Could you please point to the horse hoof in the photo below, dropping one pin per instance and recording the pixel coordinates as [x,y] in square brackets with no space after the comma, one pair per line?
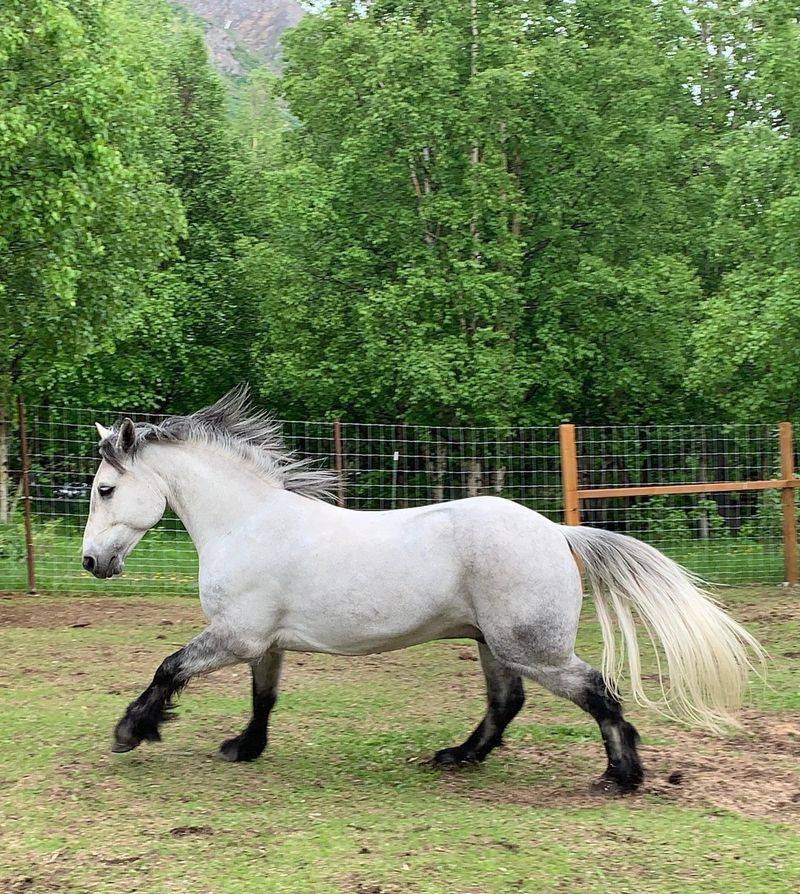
[228,751]
[239,750]
[453,759]
[612,788]
[125,737]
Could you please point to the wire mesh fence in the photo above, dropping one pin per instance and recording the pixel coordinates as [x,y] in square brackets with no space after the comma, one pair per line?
[62,445]
[732,537]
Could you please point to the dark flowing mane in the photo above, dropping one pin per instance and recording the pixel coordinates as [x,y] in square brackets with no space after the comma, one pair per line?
[232,424]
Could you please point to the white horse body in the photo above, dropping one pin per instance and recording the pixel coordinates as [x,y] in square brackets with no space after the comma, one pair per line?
[303,575]
[282,572]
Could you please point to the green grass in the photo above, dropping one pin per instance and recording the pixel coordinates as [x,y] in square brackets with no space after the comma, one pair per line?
[343,801]
[164,562]
[730,560]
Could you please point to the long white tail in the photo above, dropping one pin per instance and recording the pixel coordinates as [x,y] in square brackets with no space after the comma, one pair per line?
[707,653]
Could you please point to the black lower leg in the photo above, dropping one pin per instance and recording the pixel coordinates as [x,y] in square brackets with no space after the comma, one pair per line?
[620,738]
[249,744]
[505,698]
[143,717]
[209,650]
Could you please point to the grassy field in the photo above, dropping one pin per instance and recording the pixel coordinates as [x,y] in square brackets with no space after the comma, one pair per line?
[344,800]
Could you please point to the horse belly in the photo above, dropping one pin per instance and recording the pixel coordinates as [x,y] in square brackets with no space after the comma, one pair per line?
[367,642]
[368,610]
[363,583]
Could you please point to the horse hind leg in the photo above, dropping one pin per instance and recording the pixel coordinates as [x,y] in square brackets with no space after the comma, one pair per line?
[505,697]
[620,738]
[582,684]
[250,743]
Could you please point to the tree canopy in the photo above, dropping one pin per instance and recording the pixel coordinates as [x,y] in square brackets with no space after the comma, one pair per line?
[85,215]
[443,211]
[514,211]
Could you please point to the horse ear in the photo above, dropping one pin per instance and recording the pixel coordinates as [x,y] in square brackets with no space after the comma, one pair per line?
[126,436]
[102,431]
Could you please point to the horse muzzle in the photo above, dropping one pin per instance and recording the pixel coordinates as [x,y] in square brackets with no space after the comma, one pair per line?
[102,568]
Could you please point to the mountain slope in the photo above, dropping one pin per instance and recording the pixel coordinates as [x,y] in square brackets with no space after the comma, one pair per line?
[252,26]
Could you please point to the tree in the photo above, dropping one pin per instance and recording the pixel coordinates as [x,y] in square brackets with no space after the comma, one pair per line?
[191,340]
[482,208]
[747,351]
[85,215]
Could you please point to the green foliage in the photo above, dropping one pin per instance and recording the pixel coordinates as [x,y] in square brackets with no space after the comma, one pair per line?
[12,541]
[443,212]
[747,349]
[766,522]
[189,339]
[85,215]
[493,213]
[658,520]
[482,213]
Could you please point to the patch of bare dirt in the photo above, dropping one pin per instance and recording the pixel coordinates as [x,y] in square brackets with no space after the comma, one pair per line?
[44,611]
[755,774]
[39,879]
[354,884]
[781,605]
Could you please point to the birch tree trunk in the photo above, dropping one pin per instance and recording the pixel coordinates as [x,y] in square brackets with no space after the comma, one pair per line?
[420,191]
[475,155]
[474,481]
[437,467]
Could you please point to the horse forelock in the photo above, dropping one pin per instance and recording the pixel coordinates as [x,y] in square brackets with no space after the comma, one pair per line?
[232,424]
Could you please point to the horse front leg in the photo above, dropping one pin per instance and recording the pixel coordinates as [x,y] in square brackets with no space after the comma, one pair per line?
[248,745]
[208,651]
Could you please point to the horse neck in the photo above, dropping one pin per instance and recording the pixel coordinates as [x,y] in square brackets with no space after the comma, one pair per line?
[211,491]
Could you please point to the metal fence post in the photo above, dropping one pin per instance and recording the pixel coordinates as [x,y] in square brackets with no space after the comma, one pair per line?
[785,442]
[337,459]
[5,514]
[395,460]
[26,494]
[569,473]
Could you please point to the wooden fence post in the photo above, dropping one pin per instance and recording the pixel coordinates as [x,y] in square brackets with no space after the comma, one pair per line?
[337,459]
[569,473]
[26,494]
[786,445]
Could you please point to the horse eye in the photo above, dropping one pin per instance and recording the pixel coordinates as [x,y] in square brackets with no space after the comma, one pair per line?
[105,490]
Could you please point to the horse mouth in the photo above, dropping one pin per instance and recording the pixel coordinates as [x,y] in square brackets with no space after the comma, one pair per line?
[112,569]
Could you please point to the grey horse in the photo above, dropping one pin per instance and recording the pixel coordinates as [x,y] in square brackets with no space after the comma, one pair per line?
[283,570]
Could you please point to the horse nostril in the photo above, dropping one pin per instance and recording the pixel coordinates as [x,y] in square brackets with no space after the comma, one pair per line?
[89,563]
